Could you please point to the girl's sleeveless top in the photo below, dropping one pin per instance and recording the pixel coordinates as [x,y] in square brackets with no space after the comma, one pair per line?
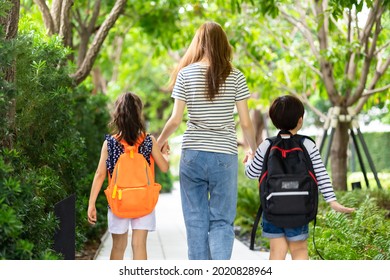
[115,149]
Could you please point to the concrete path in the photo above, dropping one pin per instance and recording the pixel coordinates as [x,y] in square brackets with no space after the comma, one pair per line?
[168,242]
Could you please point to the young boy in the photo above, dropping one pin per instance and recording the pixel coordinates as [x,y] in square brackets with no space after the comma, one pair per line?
[286,113]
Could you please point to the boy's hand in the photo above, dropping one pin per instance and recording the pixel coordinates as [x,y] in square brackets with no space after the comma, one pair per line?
[340,208]
[248,156]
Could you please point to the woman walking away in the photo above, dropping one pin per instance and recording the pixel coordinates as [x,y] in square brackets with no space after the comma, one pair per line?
[129,126]
[210,87]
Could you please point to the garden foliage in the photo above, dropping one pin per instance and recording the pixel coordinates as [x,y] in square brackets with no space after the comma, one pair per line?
[50,159]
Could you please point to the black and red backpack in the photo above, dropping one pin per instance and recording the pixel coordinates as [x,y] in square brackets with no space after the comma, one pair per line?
[287,186]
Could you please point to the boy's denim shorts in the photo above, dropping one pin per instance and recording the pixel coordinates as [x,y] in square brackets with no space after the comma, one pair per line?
[291,234]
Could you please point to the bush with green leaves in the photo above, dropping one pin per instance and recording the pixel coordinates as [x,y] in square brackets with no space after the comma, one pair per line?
[362,235]
[55,150]
[27,220]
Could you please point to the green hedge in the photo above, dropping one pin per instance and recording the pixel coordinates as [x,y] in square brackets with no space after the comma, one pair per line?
[377,144]
[58,136]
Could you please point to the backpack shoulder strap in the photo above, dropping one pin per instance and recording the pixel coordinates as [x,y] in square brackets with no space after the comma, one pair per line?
[271,141]
[260,210]
[303,137]
[300,139]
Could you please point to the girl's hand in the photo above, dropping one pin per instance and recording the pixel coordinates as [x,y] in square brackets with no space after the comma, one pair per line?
[92,215]
[165,149]
[340,208]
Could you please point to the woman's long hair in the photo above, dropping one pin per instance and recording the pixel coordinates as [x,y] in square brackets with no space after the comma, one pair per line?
[210,42]
[127,119]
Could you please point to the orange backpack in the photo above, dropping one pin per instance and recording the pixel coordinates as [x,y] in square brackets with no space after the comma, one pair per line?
[132,191]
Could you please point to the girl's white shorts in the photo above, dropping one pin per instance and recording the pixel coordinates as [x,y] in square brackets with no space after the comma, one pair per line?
[118,225]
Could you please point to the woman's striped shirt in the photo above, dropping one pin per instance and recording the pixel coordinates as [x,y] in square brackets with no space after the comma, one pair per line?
[210,125]
[253,168]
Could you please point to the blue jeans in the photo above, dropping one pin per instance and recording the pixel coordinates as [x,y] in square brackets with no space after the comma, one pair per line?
[208,186]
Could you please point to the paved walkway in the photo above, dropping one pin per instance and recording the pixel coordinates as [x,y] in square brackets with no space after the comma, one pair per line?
[168,242]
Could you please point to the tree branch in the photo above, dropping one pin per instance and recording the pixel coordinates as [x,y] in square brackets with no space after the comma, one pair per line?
[56,8]
[282,86]
[350,66]
[382,48]
[373,91]
[326,66]
[65,29]
[339,28]
[349,39]
[369,54]
[79,20]
[47,19]
[300,57]
[304,29]
[92,53]
[95,15]
[378,74]
[370,22]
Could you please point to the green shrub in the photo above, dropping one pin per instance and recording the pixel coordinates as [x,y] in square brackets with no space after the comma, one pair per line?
[27,221]
[59,132]
[165,179]
[375,141]
[363,235]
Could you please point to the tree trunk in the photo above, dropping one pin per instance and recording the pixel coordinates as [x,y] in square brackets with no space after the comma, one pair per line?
[10,26]
[339,156]
[258,124]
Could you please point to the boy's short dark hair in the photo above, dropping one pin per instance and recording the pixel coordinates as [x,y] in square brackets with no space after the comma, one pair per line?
[285,112]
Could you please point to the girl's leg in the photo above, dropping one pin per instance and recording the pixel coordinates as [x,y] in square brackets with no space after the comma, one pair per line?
[298,250]
[278,248]
[138,244]
[119,244]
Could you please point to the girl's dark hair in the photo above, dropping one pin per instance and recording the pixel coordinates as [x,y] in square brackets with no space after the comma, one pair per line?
[127,120]
[285,112]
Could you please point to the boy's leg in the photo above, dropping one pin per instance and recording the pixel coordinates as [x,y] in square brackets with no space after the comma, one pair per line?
[138,244]
[298,250]
[119,244]
[278,248]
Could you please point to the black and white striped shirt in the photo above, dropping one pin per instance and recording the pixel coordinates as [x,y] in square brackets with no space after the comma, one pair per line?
[253,168]
[210,125]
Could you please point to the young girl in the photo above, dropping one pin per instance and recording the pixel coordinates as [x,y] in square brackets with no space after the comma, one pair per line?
[286,113]
[128,125]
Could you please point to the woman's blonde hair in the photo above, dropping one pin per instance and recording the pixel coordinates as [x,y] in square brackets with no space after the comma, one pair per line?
[210,42]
